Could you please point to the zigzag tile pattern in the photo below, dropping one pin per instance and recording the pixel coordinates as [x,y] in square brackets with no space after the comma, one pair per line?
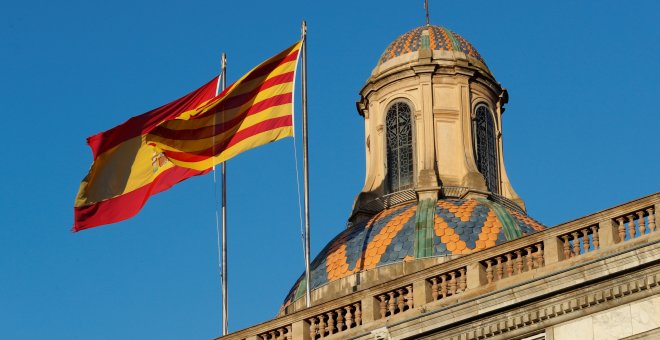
[440,38]
[460,226]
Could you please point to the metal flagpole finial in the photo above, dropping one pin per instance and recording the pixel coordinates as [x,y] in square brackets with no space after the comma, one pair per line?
[303,28]
[426,8]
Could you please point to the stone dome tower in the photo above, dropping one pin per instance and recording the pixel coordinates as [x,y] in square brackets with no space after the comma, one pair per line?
[436,187]
[433,122]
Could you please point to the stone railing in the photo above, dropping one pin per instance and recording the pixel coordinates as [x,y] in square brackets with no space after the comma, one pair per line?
[580,241]
[636,223]
[281,333]
[514,262]
[345,310]
[395,301]
[335,321]
[448,284]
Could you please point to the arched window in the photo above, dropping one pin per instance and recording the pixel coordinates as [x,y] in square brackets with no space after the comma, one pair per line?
[398,124]
[486,147]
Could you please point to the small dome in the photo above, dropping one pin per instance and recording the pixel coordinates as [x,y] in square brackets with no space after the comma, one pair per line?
[440,38]
[461,226]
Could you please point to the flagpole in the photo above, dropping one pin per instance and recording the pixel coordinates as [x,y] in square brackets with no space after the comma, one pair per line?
[308,296]
[223,171]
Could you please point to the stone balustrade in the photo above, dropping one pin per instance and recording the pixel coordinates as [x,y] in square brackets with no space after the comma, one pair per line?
[365,306]
[636,223]
[514,262]
[448,284]
[395,301]
[335,321]
[281,333]
[580,241]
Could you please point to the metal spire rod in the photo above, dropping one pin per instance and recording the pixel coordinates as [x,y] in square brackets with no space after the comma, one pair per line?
[426,8]
[308,296]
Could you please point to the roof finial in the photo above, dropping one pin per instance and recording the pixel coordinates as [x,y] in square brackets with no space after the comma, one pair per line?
[426,8]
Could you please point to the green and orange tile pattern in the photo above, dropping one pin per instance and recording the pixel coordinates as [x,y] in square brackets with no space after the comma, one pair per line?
[460,226]
[440,38]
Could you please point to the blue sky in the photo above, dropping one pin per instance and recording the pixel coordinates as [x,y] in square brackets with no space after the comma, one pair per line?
[580,135]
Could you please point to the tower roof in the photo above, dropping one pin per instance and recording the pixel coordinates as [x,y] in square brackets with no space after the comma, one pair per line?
[440,39]
[460,226]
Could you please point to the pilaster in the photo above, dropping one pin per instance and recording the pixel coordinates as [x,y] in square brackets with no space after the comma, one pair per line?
[299,330]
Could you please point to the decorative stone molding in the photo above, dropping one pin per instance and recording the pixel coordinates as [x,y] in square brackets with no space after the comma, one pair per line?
[539,314]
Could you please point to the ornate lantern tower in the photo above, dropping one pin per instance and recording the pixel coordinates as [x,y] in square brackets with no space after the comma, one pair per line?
[433,123]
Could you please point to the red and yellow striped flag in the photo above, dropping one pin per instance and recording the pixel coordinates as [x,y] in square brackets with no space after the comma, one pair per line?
[150,153]
[126,170]
[255,110]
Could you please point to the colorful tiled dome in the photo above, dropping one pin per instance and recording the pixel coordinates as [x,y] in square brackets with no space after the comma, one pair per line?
[460,226]
[440,38]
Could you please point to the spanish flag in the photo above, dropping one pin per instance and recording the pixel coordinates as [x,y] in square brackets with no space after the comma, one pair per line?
[255,110]
[126,170]
[150,153]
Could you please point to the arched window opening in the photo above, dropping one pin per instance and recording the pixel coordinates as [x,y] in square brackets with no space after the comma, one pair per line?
[398,123]
[486,147]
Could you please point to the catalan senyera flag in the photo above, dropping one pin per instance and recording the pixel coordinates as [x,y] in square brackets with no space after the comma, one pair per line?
[126,170]
[255,110]
[151,152]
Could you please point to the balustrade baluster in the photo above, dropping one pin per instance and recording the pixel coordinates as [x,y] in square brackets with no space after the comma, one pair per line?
[321,326]
[539,255]
[499,268]
[509,264]
[576,244]
[358,314]
[651,214]
[312,328]
[519,262]
[349,317]
[401,303]
[489,271]
[443,285]
[434,288]
[288,333]
[621,229]
[452,283]
[409,297]
[640,219]
[530,258]
[331,323]
[383,306]
[594,236]
[462,280]
[391,306]
[632,228]
[585,240]
[340,320]
[567,247]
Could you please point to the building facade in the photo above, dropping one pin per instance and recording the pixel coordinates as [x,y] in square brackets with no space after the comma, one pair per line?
[439,245]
